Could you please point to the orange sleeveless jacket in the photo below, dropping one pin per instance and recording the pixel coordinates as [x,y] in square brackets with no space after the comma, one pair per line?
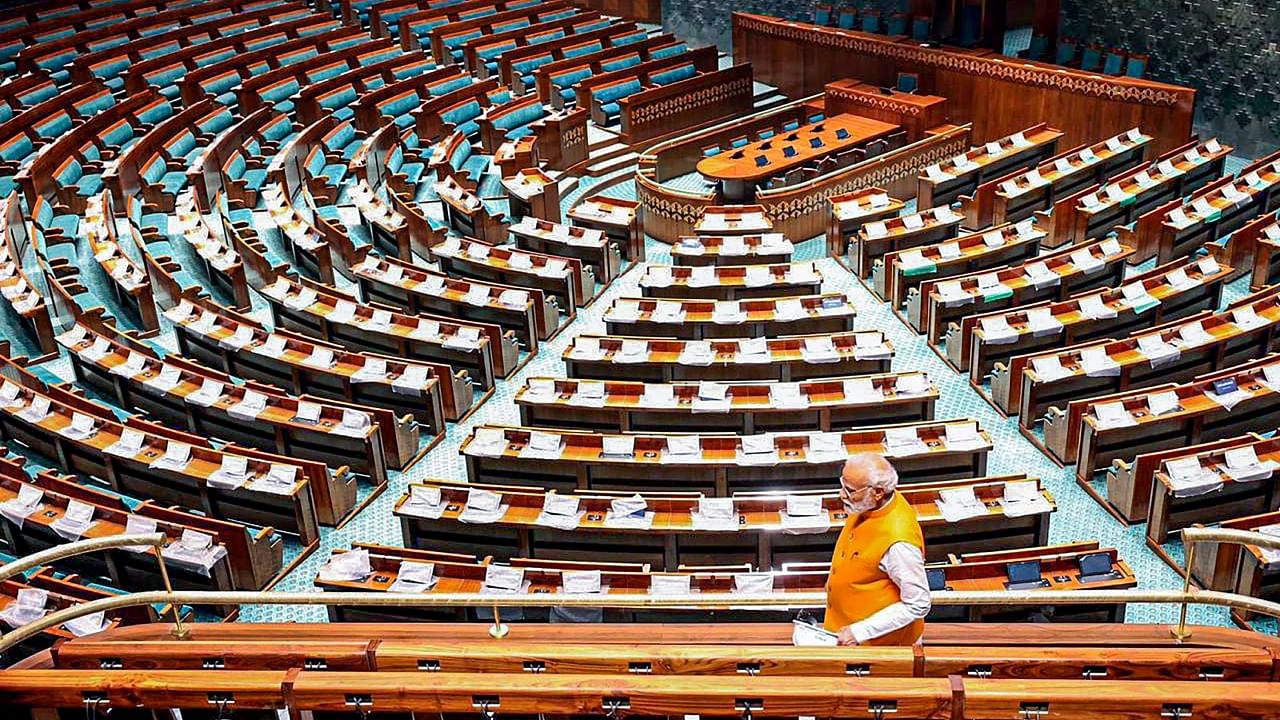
[858,588]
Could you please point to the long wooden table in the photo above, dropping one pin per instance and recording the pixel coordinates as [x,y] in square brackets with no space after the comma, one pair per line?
[738,168]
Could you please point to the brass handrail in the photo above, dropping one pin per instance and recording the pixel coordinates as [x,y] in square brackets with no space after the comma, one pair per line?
[79,547]
[708,601]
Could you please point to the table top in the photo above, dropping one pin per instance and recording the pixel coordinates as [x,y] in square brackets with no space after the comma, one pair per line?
[740,164]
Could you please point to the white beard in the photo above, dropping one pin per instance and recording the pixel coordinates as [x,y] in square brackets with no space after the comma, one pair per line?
[859,508]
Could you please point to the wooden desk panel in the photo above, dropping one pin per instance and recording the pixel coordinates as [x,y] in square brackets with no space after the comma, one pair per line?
[915,113]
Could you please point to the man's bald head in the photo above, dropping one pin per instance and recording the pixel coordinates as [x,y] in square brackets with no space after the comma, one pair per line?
[867,479]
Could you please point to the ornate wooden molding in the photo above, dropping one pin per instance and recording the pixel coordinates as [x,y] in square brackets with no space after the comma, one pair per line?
[1017,71]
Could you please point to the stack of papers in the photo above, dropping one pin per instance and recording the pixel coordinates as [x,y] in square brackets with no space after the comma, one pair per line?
[964,436]
[760,583]
[805,513]
[618,446]
[1048,368]
[715,514]
[758,276]
[629,512]
[543,446]
[1086,262]
[482,507]
[787,396]
[19,508]
[1179,279]
[682,448]
[1039,275]
[871,346]
[825,448]
[658,395]
[861,389]
[1097,363]
[819,350]
[1093,307]
[350,566]
[903,441]
[176,457]
[1189,478]
[1155,349]
[26,608]
[658,276]
[694,352]
[513,299]
[1162,403]
[129,444]
[757,450]
[952,293]
[75,521]
[424,501]
[916,383]
[936,174]
[632,351]
[231,474]
[728,312]
[414,577]
[589,393]
[279,480]
[789,309]
[1113,415]
[667,311]
[1042,322]
[1137,297]
[580,582]
[503,580]
[668,585]
[488,441]
[997,331]
[1246,318]
[956,504]
[1023,498]
[560,512]
[1243,465]
[754,350]
[587,348]
[703,276]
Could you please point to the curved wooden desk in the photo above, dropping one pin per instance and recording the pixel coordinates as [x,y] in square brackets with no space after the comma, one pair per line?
[740,165]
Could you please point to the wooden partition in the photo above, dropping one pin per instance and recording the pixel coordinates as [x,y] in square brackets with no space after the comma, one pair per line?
[665,109]
[997,95]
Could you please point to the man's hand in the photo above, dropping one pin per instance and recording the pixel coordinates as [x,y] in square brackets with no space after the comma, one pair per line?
[845,636]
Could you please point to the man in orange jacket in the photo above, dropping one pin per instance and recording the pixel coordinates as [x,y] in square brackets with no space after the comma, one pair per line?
[877,593]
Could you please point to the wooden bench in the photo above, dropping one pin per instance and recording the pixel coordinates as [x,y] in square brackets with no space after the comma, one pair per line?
[1181,288]
[713,466]
[944,182]
[822,404]
[934,306]
[784,359]
[1017,195]
[430,392]
[678,535]
[1094,211]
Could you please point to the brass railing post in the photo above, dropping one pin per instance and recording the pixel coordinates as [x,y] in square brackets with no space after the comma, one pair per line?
[498,630]
[179,632]
[1181,633]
